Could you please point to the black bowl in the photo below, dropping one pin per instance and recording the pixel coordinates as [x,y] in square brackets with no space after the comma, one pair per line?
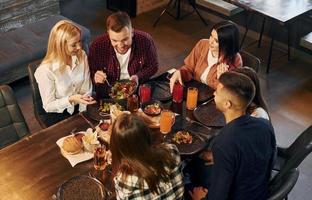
[145,104]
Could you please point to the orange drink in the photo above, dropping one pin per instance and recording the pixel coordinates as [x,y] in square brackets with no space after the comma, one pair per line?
[191,100]
[167,119]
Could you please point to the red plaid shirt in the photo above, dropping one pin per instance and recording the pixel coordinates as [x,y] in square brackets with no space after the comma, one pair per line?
[143,60]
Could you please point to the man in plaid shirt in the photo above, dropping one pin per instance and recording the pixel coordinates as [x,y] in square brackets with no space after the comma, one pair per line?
[121,53]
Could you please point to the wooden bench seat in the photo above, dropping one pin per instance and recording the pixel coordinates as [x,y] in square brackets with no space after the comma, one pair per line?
[306,41]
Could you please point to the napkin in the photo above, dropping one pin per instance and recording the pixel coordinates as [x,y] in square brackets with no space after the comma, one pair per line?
[74,159]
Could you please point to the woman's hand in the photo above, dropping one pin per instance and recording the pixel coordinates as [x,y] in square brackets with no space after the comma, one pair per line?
[99,77]
[83,99]
[221,68]
[198,193]
[175,77]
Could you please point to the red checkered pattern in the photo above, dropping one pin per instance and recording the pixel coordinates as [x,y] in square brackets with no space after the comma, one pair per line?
[143,60]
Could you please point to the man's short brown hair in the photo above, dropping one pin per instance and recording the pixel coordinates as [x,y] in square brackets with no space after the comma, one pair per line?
[118,21]
[239,85]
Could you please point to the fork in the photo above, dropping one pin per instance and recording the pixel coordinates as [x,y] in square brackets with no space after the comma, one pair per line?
[193,121]
[108,83]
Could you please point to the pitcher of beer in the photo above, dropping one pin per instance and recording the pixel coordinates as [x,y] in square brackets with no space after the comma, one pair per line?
[167,119]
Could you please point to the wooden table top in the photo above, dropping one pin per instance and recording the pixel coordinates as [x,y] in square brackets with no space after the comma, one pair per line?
[281,10]
[34,168]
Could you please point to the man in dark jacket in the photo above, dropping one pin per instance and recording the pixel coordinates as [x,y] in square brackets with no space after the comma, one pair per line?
[243,152]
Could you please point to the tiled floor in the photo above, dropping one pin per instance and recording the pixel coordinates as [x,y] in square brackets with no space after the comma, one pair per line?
[288,87]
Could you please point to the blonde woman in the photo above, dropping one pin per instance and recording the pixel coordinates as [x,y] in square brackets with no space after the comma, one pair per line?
[63,76]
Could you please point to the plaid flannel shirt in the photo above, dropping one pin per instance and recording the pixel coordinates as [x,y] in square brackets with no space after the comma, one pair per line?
[143,60]
[174,189]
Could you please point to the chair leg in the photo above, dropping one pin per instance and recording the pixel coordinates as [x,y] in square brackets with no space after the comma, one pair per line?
[261,33]
[196,10]
[158,18]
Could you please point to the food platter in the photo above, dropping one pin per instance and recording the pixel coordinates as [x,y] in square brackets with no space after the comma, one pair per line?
[197,144]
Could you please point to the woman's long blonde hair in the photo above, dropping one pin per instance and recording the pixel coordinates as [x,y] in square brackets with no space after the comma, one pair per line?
[59,35]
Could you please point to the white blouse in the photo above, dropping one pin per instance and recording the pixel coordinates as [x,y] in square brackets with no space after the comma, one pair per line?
[211,61]
[55,86]
[260,113]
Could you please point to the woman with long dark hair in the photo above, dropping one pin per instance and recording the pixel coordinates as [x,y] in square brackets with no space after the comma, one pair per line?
[258,107]
[211,57]
[141,169]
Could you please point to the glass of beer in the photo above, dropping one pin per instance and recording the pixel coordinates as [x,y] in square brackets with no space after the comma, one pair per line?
[191,100]
[167,119]
[100,158]
[177,93]
[145,93]
[133,103]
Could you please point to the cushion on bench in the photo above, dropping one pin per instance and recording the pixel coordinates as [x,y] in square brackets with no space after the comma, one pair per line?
[220,6]
[23,45]
[306,41]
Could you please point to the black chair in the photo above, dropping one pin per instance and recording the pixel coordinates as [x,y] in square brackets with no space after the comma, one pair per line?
[81,187]
[250,60]
[45,119]
[288,159]
[12,122]
[291,157]
[280,188]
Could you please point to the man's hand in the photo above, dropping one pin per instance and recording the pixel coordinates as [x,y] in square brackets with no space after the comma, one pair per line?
[135,78]
[198,193]
[99,77]
[221,68]
[84,99]
[175,77]
[207,156]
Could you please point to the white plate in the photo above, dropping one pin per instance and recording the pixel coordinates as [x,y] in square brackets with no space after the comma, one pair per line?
[74,159]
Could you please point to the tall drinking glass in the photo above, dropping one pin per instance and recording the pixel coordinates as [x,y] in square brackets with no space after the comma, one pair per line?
[191,100]
[167,119]
[133,103]
[145,93]
[100,158]
[177,93]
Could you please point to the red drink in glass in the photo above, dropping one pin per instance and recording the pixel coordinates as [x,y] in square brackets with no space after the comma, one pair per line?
[145,93]
[177,93]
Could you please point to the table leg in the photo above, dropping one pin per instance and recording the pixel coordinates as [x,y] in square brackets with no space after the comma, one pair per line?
[194,7]
[249,17]
[165,10]
[271,46]
[288,42]
[178,9]
[261,33]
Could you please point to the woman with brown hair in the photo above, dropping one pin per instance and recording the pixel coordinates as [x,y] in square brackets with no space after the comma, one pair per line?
[143,170]
[63,76]
[258,106]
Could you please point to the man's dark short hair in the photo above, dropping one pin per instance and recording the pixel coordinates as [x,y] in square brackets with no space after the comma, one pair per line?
[118,21]
[240,85]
